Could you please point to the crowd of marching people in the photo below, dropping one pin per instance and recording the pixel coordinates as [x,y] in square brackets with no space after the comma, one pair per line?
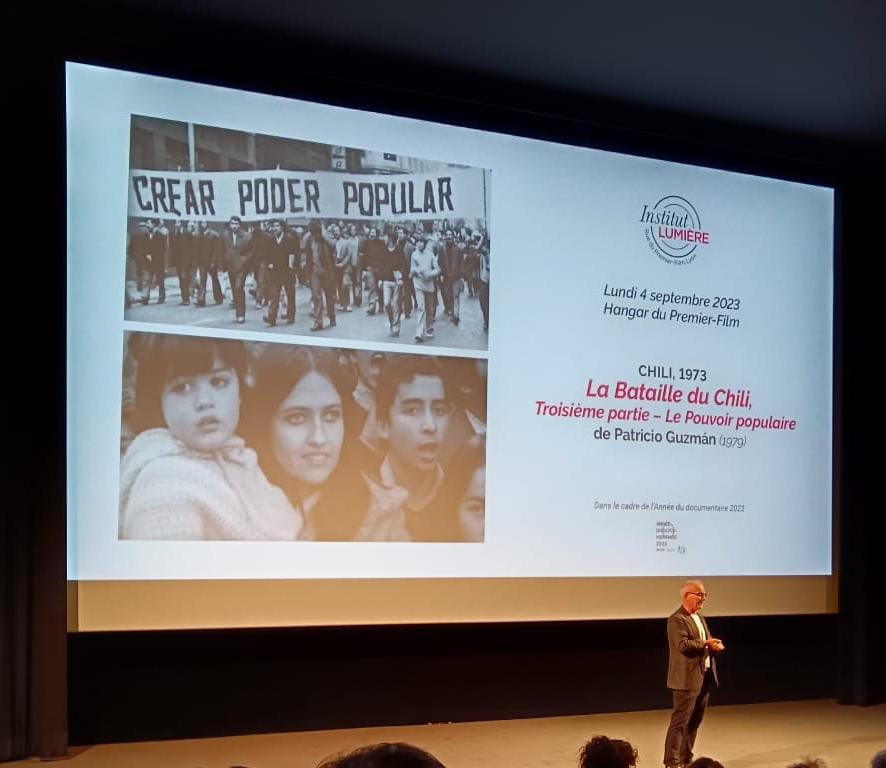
[397,270]
[230,440]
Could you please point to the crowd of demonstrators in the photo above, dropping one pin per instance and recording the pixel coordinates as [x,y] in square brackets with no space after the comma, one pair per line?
[224,439]
[397,269]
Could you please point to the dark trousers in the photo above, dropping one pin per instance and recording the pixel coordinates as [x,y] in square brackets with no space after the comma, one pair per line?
[484,302]
[370,290]
[322,287]
[238,289]
[209,271]
[153,273]
[689,709]
[393,296]
[358,286]
[160,280]
[341,296]
[408,295]
[263,285]
[471,279]
[425,311]
[446,290]
[184,282]
[275,283]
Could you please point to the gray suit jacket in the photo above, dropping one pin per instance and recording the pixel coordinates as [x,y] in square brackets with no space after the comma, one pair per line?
[686,652]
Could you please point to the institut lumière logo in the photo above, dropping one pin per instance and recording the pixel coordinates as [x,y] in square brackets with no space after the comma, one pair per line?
[673,230]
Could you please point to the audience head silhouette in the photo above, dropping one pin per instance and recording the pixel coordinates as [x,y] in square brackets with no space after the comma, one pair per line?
[603,752]
[394,755]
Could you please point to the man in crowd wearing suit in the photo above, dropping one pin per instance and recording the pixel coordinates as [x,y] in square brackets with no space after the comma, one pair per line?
[210,253]
[149,251]
[261,240]
[181,250]
[692,672]
[345,263]
[281,255]
[451,261]
[238,260]
[392,267]
[319,256]
[483,278]
[369,257]
[407,295]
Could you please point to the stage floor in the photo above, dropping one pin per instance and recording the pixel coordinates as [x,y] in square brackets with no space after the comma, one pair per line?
[751,736]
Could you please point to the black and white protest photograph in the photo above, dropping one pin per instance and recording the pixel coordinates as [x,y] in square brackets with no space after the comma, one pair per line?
[263,233]
[223,439]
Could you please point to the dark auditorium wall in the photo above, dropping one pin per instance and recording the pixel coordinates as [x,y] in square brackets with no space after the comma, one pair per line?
[152,685]
[159,685]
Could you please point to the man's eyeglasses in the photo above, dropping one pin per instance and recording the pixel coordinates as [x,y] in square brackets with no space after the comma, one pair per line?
[702,595]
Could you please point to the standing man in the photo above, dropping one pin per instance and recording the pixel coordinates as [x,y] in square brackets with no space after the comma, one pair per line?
[301,270]
[162,232]
[210,252]
[149,252]
[345,261]
[483,281]
[393,266]
[357,269]
[181,251]
[451,260]
[319,257]
[370,261]
[424,271]
[238,254]
[472,263]
[281,253]
[406,294]
[261,239]
[692,672]
[133,274]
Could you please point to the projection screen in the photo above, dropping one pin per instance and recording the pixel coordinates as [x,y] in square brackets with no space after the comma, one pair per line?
[328,366]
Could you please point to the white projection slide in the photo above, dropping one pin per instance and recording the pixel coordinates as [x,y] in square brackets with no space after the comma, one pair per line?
[308,342]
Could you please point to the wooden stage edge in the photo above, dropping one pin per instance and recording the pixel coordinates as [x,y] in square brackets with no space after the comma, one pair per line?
[769,735]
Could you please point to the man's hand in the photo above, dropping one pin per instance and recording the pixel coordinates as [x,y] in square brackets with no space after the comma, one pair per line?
[715,644]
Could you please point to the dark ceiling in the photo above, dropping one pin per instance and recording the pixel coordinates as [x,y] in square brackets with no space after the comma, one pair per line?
[815,68]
